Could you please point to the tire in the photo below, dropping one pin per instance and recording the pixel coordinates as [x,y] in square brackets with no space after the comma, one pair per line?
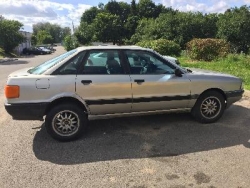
[209,107]
[66,122]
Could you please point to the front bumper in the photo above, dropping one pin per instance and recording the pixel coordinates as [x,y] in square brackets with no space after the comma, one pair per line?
[234,96]
[26,111]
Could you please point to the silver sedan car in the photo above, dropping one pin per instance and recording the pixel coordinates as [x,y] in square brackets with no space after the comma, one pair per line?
[108,81]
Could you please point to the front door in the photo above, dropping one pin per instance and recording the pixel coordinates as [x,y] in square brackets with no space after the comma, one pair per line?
[103,84]
[154,84]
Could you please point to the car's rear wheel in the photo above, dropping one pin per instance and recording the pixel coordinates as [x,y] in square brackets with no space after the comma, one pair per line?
[66,122]
[209,107]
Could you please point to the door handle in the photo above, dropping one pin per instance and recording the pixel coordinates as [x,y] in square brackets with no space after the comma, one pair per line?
[139,80]
[86,82]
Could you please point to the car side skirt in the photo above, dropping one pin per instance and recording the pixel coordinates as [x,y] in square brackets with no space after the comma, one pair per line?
[107,116]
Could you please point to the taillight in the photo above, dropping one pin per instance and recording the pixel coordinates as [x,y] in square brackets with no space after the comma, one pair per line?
[12,91]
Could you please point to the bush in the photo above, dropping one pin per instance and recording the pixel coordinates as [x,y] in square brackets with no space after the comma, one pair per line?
[207,49]
[162,46]
[70,43]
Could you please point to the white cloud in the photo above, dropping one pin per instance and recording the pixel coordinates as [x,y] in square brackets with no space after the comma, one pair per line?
[192,5]
[30,12]
[77,13]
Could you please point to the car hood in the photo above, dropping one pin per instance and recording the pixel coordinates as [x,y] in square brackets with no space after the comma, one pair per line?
[21,72]
[196,71]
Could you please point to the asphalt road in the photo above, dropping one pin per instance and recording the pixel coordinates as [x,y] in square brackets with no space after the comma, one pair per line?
[170,150]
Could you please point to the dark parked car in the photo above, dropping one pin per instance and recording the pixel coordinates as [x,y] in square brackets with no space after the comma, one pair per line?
[34,50]
[48,47]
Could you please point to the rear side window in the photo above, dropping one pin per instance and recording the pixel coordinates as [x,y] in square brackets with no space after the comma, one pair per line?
[102,62]
[48,64]
[71,66]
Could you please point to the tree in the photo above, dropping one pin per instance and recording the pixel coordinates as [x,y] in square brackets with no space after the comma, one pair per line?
[33,40]
[10,36]
[148,9]
[108,28]
[131,25]
[180,27]
[43,37]
[234,26]
[84,33]
[89,15]
[133,8]
[113,7]
[70,42]
[66,31]
[56,31]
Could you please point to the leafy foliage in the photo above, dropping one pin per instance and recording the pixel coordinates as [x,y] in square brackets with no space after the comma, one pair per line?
[89,15]
[107,27]
[43,37]
[84,33]
[177,26]
[10,36]
[207,49]
[54,30]
[234,26]
[70,42]
[146,20]
[162,46]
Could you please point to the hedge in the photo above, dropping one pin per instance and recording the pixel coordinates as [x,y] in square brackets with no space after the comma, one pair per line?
[207,49]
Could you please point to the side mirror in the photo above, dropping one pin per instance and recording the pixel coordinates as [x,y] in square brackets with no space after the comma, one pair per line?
[178,72]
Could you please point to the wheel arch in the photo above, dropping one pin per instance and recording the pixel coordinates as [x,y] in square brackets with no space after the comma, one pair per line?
[61,100]
[215,89]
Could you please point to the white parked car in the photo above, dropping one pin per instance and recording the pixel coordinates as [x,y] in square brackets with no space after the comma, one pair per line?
[108,81]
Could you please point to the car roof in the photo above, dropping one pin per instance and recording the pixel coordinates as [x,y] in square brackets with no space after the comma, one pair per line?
[111,47]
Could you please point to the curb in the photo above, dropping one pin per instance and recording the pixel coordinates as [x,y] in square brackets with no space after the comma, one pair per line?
[4,60]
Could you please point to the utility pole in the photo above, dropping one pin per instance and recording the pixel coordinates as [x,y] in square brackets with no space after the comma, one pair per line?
[73,26]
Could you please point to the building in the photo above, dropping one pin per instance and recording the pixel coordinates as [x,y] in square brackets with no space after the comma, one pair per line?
[25,44]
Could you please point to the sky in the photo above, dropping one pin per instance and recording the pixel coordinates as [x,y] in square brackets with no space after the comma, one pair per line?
[64,12]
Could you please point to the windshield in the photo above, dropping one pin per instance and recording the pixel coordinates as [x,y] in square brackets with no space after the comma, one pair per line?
[50,63]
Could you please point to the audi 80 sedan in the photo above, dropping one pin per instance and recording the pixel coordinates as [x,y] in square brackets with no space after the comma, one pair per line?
[108,81]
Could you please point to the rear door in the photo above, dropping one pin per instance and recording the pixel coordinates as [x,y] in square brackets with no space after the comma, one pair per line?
[103,84]
[154,84]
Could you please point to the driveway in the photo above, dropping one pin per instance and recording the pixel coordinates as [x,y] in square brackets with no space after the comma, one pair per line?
[170,150]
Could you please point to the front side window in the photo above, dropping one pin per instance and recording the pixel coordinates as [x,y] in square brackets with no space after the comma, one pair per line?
[103,62]
[143,62]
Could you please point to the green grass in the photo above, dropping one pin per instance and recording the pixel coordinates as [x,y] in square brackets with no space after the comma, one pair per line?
[237,65]
[1,53]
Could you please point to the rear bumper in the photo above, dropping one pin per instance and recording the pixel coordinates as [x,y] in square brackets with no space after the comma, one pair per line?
[234,96]
[26,111]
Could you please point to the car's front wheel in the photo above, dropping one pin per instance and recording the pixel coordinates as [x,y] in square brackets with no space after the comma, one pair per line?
[66,122]
[209,107]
